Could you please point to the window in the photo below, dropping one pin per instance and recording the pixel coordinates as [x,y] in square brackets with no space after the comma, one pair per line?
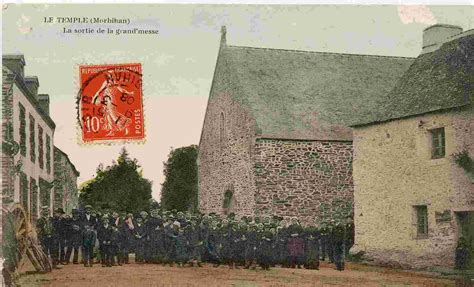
[44,190]
[230,203]
[437,143]
[24,191]
[48,154]
[32,139]
[421,220]
[40,147]
[227,199]
[22,130]
[33,198]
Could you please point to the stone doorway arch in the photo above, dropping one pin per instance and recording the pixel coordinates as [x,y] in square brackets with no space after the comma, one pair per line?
[229,204]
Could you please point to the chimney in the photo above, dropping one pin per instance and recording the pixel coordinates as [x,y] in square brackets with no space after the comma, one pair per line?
[16,63]
[32,84]
[43,100]
[434,36]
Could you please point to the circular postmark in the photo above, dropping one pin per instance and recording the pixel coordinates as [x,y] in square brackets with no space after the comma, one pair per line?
[109,102]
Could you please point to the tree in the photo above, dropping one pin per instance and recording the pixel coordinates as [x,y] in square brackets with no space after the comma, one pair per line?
[119,187]
[179,190]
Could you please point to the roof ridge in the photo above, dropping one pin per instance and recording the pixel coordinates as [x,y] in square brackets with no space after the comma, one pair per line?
[320,52]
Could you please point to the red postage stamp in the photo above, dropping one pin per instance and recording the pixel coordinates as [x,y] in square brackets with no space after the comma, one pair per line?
[110,102]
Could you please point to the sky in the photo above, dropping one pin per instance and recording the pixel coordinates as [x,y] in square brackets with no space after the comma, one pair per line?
[178,63]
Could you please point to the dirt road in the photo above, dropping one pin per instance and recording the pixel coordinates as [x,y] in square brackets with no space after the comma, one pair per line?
[158,275]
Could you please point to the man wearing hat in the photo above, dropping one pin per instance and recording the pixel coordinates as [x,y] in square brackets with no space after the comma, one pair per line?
[75,235]
[89,218]
[338,242]
[141,235]
[104,232]
[156,234]
[46,236]
[62,231]
[56,236]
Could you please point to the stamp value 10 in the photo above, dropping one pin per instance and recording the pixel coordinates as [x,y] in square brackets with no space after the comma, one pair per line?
[110,102]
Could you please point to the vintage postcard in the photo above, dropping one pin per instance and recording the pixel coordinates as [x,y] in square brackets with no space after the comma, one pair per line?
[237,145]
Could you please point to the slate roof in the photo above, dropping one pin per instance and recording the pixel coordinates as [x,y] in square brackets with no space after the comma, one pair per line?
[306,95]
[9,78]
[65,155]
[439,80]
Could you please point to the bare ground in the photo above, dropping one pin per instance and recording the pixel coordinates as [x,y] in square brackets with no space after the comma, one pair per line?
[158,275]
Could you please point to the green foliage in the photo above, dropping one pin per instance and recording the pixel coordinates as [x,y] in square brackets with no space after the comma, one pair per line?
[336,211]
[179,190]
[119,187]
[465,162]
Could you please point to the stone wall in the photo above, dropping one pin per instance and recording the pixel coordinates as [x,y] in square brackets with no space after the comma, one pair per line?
[393,172]
[65,191]
[224,162]
[294,177]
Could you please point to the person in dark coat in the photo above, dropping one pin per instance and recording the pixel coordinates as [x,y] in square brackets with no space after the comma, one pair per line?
[147,244]
[191,231]
[156,234]
[104,232]
[57,234]
[281,245]
[203,231]
[47,235]
[327,242]
[63,230]
[213,244]
[349,234]
[88,242]
[225,243]
[239,243]
[181,245]
[75,237]
[265,246]
[462,254]
[128,239]
[117,223]
[170,238]
[311,237]
[114,247]
[88,218]
[295,244]
[140,234]
[251,246]
[338,237]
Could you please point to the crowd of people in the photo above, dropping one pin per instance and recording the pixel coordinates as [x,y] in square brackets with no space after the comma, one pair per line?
[170,237]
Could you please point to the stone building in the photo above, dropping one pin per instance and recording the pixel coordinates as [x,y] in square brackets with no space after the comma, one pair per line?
[65,176]
[412,199]
[27,139]
[28,155]
[276,138]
